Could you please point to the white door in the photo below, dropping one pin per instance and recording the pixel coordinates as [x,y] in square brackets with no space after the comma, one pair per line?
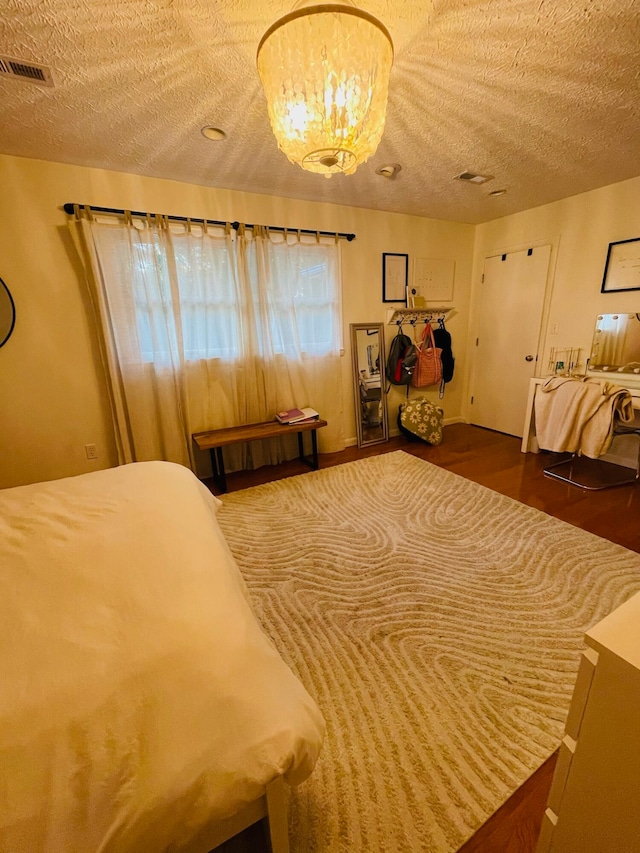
[509,319]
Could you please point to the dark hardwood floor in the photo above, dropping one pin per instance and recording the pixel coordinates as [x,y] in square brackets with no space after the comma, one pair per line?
[494,460]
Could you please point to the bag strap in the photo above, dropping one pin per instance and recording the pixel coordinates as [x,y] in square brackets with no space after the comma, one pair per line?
[428,333]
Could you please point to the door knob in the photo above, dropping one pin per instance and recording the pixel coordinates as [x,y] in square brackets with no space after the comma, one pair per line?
[528,358]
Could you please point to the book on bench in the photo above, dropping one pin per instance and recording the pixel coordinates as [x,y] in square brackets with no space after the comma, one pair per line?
[297,416]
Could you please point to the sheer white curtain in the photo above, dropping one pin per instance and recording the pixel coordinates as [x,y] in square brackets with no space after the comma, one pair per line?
[204,328]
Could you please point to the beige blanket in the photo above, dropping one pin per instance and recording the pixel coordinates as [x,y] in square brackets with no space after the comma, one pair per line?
[578,415]
[140,700]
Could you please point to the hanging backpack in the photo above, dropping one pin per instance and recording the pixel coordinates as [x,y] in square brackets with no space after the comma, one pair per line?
[443,342]
[401,360]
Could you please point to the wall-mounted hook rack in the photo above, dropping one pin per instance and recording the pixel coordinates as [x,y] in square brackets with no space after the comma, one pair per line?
[397,316]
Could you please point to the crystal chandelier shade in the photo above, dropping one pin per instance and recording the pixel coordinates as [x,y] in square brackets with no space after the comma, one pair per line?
[325,72]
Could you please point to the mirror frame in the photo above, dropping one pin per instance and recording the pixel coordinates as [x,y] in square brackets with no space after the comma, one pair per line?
[12,307]
[368,327]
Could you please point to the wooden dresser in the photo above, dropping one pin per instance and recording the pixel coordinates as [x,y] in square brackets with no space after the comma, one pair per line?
[594,802]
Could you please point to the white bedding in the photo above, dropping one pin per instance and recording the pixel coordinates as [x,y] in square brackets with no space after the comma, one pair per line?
[139,698]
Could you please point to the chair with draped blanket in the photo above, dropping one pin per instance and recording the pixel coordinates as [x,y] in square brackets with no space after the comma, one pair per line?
[582,416]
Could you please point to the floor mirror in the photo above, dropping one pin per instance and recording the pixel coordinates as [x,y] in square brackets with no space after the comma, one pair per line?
[367,351]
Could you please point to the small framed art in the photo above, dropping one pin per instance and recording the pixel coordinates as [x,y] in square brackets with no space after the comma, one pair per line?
[395,277]
[622,269]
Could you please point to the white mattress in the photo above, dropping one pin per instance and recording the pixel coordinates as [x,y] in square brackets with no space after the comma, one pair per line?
[140,700]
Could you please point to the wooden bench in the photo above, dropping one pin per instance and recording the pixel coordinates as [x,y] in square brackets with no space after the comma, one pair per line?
[214,440]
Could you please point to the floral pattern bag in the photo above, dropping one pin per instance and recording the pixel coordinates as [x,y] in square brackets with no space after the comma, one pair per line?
[422,419]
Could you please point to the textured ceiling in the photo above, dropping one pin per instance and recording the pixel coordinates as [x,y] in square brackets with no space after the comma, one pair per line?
[542,94]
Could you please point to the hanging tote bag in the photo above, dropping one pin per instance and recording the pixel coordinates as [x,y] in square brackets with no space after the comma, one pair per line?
[428,370]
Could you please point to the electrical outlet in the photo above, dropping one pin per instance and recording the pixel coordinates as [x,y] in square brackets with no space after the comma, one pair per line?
[91,450]
[554,329]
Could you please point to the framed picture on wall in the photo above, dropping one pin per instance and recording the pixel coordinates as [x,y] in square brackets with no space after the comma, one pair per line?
[395,277]
[433,279]
[622,269]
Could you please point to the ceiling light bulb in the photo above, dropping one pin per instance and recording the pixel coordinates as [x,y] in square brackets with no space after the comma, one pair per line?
[390,170]
[213,133]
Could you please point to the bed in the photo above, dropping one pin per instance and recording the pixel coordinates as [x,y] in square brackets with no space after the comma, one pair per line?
[142,706]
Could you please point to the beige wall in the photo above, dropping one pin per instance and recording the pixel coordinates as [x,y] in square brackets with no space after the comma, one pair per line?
[579,229]
[51,381]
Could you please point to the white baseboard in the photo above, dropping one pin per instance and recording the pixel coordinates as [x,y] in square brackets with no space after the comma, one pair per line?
[625,461]
[394,431]
[623,451]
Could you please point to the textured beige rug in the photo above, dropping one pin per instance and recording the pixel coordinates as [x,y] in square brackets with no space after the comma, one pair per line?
[437,623]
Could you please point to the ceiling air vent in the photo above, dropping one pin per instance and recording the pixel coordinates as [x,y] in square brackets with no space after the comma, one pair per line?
[473,178]
[20,70]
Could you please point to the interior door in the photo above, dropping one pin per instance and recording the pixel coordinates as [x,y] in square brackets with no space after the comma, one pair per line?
[509,319]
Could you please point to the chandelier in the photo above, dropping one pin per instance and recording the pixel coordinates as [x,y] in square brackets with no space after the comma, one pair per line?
[325,72]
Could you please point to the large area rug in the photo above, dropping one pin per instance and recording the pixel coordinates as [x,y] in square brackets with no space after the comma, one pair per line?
[437,623]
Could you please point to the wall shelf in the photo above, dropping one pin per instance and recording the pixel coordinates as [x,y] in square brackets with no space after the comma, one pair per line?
[400,316]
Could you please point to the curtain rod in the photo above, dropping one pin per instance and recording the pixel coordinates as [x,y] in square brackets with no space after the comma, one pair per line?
[69,207]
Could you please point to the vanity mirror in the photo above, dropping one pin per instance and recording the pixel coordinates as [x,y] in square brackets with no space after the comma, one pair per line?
[616,344]
[367,351]
[7,313]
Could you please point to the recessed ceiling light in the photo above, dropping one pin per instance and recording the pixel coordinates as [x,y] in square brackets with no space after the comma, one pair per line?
[213,133]
[473,178]
[495,193]
[389,170]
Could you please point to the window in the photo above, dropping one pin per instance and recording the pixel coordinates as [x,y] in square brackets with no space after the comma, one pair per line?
[283,301]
